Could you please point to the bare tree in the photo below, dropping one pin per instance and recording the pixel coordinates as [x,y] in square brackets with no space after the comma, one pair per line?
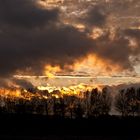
[138,101]
[121,103]
[95,103]
[86,102]
[105,102]
[132,101]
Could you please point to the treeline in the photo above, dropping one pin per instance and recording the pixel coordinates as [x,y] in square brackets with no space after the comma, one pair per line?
[91,104]
[128,102]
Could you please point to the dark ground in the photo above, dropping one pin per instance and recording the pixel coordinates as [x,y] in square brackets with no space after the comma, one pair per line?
[37,127]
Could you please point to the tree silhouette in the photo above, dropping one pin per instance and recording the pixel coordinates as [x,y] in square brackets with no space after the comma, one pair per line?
[86,102]
[62,107]
[95,103]
[105,101]
[131,99]
[78,110]
[71,106]
[100,102]
[40,109]
[20,106]
[121,103]
[138,101]
[10,105]
[45,104]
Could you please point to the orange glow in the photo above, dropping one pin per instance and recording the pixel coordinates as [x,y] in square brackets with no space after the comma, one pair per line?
[57,92]
[42,3]
[16,94]
[93,65]
[80,27]
[96,33]
[49,3]
[10,93]
[56,96]
[50,71]
[76,90]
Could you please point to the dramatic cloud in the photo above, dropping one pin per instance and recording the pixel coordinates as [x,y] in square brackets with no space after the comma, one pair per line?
[32,36]
[32,48]
[95,16]
[116,51]
[52,45]
[25,13]
[134,33]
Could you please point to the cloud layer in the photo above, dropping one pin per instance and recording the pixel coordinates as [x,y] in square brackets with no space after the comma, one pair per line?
[32,36]
[25,13]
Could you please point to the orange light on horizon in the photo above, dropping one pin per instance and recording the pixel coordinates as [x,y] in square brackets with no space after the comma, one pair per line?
[50,71]
[73,90]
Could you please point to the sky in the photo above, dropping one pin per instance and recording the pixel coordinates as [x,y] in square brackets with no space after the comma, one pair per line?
[81,38]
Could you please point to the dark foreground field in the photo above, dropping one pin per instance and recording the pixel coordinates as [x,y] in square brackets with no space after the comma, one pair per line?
[41,128]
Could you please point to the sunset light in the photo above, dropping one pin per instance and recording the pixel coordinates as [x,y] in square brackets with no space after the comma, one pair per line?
[68,65]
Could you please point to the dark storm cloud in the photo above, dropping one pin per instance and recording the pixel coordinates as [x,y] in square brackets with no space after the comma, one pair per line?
[95,16]
[25,13]
[117,15]
[114,13]
[122,50]
[135,33]
[34,48]
[116,51]
[22,48]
